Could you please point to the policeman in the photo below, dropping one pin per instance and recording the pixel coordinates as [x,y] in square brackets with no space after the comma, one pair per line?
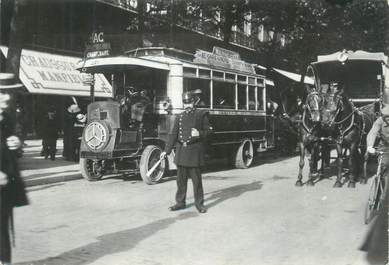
[188,134]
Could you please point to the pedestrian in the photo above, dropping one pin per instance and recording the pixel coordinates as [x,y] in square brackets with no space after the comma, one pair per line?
[188,135]
[69,142]
[50,133]
[376,242]
[78,127]
[12,189]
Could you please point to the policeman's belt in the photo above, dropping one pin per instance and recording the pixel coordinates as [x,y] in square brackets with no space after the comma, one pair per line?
[187,143]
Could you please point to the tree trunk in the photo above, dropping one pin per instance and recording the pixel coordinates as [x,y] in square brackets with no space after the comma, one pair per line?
[141,22]
[16,38]
[228,21]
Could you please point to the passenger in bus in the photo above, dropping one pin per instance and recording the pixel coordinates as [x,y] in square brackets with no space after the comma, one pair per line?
[199,102]
[188,135]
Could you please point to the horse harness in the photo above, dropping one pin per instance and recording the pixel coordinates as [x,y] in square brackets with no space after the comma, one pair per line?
[356,112]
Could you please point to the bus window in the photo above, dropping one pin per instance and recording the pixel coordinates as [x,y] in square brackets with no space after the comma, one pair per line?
[223,95]
[242,97]
[190,71]
[203,73]
[251,98]
[260,105]
[192,84]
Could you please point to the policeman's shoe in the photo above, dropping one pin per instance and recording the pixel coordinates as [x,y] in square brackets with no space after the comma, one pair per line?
[176,207]
[201,209]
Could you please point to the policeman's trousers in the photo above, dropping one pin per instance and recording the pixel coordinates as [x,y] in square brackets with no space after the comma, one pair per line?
[183,173]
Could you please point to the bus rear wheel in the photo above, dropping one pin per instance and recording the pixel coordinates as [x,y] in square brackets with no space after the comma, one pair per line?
[91,170]
[244,155]
[149,158]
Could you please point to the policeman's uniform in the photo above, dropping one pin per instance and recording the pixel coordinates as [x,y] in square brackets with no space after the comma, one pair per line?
[189,155]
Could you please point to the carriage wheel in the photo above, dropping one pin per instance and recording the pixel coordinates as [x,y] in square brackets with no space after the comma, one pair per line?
[91,170]
[244,155]
[373,201]
[149,158]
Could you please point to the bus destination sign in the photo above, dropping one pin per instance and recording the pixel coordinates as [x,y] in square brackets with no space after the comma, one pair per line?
[223,58]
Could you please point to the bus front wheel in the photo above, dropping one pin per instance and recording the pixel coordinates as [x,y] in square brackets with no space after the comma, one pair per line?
[244,155]
[91,170]
[150,172]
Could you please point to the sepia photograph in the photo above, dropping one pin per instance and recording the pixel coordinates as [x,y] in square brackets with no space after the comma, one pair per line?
[194,132]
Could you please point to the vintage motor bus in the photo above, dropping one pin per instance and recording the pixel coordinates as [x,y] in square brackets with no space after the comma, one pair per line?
[361,74]
[127,134]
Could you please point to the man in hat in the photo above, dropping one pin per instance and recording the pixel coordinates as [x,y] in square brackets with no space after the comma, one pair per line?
[188,134]
[12,192]
[50,133]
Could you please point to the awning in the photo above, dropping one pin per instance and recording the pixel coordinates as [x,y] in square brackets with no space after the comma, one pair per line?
[46,73]
[295,77]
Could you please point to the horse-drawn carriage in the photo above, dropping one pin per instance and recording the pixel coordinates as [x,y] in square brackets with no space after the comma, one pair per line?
[340,109]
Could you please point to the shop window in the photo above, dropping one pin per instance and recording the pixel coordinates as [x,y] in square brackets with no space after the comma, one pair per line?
[199,85]
[223,95]
[242,97]
[251,81]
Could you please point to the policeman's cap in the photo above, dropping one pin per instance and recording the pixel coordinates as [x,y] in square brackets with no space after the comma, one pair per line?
[188,97]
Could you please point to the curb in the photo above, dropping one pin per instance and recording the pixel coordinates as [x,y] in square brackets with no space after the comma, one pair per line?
[51,179]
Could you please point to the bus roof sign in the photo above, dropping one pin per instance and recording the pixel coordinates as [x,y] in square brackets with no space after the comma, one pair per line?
[222,58]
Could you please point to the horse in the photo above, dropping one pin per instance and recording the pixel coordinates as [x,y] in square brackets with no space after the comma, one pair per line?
[310,137]
[348,126]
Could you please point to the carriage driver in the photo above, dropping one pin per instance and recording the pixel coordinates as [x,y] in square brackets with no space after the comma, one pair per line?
[188,134]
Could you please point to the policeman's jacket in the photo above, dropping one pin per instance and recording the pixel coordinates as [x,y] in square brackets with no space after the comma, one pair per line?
[380,129]
[189,149]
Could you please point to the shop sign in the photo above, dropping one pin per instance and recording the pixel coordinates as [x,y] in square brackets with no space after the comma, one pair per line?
[97,47]
[46,73]
[223,58]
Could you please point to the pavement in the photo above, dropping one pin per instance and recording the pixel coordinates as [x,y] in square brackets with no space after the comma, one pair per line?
[36,170]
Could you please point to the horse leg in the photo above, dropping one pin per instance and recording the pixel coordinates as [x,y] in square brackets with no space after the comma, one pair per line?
[365,159]
[313,165]
[299,182]
[339,160]
[324,159]
[353,162]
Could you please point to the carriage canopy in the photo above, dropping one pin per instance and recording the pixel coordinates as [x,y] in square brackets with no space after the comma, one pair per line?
[361,74]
